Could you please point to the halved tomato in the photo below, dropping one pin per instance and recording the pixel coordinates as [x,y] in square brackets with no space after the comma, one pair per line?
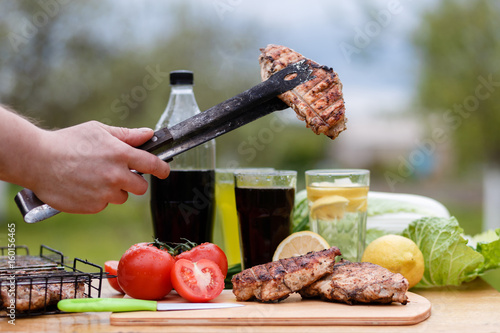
[111,266]
[199,281]
[206,251]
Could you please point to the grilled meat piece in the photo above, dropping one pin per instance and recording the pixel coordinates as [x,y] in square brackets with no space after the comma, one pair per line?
[40,295]
[319,101]
[276,280]
[359,282]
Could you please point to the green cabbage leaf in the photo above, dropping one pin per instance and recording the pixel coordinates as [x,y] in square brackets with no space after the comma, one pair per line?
[449,261]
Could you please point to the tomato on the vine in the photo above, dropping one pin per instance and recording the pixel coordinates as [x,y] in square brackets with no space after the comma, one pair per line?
[144,271]
[199,281]
[111,266]
[206,251]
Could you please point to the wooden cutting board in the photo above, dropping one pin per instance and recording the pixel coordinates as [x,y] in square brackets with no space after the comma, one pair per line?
[292,311]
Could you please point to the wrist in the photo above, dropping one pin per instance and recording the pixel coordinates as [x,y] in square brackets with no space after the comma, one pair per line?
[38,159]
[26,167]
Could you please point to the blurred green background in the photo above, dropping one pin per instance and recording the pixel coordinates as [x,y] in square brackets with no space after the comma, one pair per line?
[420,83]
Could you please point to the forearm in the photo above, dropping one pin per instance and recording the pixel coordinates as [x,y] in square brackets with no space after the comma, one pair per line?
[19,144]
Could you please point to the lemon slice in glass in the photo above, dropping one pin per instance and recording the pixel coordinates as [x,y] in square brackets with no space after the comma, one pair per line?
[300,243]
[329,208]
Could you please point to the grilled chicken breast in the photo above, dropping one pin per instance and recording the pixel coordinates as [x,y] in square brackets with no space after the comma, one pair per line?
[319,102]
[359,282]
[276,280]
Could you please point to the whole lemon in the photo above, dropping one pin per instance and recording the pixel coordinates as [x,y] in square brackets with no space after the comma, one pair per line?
[399,255]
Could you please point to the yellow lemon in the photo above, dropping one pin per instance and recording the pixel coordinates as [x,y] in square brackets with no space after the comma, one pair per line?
[329,208]
[300,243]
[319,190]
[399,255]
[356,195]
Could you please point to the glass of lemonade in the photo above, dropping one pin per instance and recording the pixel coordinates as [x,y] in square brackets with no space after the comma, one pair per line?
[226,230]
[337,208]
[264,202]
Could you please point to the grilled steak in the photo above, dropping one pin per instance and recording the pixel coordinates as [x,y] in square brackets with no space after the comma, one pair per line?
[276,280]
[40,295]
[319,101]
[359,282]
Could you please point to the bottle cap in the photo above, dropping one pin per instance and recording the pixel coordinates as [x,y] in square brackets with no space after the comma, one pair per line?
[181,77]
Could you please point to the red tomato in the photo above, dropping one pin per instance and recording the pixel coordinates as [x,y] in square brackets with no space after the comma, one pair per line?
[111,266]
[144,271]
[206,251]
[199,281]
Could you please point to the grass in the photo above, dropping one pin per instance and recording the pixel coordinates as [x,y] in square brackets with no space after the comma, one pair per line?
[469,217]
[493,278]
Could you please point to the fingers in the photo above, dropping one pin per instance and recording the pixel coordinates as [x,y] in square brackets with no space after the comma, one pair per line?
[147,163]
[135,184]
[120,197]
[131,136]
[124,180]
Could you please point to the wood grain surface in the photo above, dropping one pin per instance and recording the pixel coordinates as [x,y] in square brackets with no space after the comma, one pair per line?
[472,307]
[292,311]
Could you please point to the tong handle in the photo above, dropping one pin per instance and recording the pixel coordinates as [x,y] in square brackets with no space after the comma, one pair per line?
[160,138]
[33,209]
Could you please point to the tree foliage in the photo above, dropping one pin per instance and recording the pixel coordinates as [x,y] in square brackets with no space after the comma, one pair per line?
[459,43]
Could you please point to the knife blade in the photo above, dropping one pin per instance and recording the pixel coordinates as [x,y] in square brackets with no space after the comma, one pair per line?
[130,304]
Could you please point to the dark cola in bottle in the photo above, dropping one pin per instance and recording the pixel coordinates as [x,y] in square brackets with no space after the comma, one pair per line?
[182,206]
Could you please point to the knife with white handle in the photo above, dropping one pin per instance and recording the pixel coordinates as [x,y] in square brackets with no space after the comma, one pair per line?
[130,304]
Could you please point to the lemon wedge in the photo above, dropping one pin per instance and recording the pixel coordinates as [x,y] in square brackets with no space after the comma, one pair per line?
[329,208]
[300,243]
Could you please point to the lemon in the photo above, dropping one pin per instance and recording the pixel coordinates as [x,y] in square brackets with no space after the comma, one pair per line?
[355,195]
[399,255]
[321,189]
[300,243]
[329,208]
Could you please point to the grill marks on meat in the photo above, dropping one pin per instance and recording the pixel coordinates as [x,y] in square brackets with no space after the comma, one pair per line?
[276,280]
[319,102]
[363,282]
[317,275]
[40,295]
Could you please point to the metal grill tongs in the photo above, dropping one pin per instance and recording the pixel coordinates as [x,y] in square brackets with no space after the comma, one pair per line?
[166,143]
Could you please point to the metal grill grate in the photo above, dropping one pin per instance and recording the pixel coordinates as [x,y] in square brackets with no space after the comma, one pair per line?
[32,285]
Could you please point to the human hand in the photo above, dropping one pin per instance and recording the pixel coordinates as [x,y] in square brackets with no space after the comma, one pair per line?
[81,169]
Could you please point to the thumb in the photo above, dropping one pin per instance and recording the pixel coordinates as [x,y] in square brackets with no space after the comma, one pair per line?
[131,136]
